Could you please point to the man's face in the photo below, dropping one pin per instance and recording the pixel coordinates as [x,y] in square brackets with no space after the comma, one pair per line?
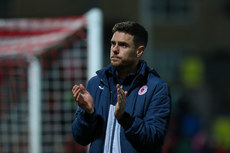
[123,52]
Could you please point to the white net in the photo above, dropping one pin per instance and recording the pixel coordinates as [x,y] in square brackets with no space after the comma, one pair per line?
[13,106]
[61,70]
[63,64]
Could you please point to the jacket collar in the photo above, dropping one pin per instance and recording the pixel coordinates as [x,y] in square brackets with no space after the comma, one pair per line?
[109,71]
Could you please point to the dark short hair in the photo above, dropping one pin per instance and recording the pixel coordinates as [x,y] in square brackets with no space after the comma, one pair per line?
[140,35]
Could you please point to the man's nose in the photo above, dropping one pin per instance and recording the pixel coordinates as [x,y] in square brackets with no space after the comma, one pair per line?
[115,49]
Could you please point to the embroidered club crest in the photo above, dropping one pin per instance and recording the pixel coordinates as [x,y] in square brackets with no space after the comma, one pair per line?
[143,90]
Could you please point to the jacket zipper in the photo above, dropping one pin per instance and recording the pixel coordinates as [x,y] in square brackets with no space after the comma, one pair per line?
[112,139]
[114,125]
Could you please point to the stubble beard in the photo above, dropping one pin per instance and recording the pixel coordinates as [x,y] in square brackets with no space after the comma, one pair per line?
[115,64]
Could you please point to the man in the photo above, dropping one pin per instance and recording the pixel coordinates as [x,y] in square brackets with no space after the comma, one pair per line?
[126,106]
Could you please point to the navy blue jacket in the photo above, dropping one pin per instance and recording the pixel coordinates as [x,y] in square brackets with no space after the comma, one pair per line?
[147,111]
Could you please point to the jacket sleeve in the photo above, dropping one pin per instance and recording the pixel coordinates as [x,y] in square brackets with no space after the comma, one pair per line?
[84,124]
[83,127]
[150,130]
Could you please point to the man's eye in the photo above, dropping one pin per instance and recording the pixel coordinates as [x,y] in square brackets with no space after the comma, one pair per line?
[123,44]
[113,44]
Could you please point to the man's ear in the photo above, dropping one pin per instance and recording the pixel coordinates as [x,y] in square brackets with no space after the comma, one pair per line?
[140,51]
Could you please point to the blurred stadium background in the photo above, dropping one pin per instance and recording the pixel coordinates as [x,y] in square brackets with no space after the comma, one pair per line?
[189,46]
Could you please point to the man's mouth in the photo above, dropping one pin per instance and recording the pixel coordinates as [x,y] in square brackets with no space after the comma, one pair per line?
[115,58]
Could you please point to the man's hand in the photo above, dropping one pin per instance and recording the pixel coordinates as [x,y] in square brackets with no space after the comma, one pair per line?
[83,98]
[121,101]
